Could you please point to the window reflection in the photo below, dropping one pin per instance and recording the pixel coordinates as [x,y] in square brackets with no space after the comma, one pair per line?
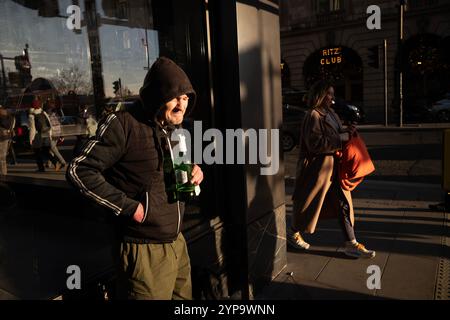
[128,46]
[118,41]
[54,50]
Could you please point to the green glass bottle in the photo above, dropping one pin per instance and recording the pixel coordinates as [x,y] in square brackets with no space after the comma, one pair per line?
[186,191]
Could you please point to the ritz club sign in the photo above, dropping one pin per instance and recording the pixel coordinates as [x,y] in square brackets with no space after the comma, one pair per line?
[331,56]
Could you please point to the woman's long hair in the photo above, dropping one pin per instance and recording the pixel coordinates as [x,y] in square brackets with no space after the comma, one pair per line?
[318,92]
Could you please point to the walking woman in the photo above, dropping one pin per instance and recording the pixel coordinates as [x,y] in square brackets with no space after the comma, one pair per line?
[55,124]
[317,190]
[40,134]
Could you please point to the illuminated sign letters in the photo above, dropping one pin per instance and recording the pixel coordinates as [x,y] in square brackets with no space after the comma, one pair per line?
[331,56]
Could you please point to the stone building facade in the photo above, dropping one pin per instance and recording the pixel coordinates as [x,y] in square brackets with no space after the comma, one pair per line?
[310,28]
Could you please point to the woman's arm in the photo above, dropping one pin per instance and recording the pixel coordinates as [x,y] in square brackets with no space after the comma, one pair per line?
[318,140]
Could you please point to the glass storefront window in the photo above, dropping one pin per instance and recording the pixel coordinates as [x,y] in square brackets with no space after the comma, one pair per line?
[129,43]
[117,42]
[37,34]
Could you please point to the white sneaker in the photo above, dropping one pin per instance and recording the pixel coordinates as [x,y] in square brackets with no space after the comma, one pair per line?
[358,251]
[295,240]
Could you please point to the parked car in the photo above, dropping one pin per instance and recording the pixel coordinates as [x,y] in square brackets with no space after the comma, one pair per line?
[122,104]
[417,109]
[290,132]
[294,97]
[69,120]
[440,110]
[347,112]
[294,110]
[70,126]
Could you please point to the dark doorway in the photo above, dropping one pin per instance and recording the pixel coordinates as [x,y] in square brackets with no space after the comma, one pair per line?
[342,66]
[426,63]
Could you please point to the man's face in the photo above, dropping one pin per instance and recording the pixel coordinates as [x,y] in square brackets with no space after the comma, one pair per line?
[174,110]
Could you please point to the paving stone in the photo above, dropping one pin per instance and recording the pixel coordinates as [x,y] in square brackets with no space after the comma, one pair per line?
[409,277]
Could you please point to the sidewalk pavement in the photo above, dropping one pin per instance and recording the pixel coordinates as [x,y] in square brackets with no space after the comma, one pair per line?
[412,244]
[26,172]
[393,218]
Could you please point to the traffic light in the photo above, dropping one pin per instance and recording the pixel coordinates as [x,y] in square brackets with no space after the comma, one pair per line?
[374,57]
[117,85]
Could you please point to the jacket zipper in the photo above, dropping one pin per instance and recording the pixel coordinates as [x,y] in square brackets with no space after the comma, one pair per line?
[178,202]
[146,207]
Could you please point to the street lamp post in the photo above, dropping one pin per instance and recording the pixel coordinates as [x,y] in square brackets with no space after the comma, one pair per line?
[400,60]
[385,83]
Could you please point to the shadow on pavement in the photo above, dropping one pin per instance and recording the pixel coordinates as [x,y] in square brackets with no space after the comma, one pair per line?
[392,237]
[397,217]
[323,253]
[429,179]
[293,291]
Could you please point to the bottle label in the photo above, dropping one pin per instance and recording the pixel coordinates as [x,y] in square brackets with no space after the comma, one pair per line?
[197,190]
[181,176]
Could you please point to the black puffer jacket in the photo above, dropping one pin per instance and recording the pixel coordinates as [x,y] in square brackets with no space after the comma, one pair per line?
[122,166]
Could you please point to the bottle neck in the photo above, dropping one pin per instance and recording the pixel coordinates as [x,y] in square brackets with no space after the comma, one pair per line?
[182,158]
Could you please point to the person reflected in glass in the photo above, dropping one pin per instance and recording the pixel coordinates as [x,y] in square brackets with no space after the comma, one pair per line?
[7,122]
[40,134]
[55,123]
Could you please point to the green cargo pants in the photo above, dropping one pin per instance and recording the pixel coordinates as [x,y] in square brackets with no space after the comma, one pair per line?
[154,271]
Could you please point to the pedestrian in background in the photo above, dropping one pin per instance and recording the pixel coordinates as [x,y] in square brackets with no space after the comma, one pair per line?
[123,169]
[7,121]
[40,134]
[55,125]
[90,125]
[317,189]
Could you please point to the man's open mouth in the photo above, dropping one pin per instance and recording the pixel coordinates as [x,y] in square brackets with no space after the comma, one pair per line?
[177,109]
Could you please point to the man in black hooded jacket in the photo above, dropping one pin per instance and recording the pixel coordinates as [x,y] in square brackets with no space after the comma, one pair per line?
[122,170]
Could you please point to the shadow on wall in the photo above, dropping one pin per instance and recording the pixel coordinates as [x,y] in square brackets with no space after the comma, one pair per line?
[265,220]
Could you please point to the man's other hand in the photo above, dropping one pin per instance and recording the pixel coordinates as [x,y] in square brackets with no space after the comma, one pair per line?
[197,175]
[138,215]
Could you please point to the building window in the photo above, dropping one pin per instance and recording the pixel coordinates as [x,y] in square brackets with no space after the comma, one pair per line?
[122,9]
[326,6]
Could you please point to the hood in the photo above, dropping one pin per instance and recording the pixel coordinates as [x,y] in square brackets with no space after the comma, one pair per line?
[164,81]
